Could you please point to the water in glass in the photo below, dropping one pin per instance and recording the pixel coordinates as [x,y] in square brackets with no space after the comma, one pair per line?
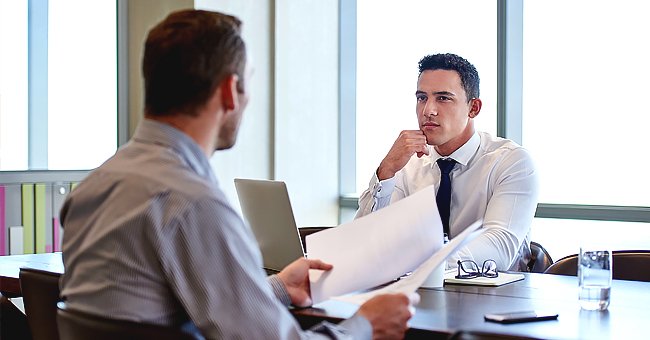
[594,279]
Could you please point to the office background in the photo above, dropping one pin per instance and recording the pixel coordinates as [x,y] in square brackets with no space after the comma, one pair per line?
[333,86]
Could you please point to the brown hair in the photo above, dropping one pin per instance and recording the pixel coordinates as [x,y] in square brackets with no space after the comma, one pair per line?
[187,56]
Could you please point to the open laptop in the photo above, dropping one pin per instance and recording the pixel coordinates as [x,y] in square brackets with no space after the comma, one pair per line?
[266,207]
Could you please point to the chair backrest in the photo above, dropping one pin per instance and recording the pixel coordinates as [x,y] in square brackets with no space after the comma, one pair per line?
[40,294]
[567,265]
[631,265]
[77,325]
[540,260]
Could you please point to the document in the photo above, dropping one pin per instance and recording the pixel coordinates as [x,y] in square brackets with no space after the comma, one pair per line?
[381,247]
[411,283]
[376,248]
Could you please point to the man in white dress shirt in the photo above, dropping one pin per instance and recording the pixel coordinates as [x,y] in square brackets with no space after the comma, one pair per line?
[493,179]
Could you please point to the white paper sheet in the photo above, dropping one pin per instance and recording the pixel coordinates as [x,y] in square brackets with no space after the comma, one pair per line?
[411,283]
[376,248]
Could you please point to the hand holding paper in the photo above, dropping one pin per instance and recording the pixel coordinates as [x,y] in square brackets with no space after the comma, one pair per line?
[295,277]
[388,315]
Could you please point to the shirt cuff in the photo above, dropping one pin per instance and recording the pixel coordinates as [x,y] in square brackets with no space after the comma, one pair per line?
[358,326]
[279,290]
[382,189]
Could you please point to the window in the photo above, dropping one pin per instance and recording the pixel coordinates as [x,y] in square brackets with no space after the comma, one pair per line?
[391,39]
[570,84]
[562,237]
[584,116]
[82,83]
[58,89]
[13,85]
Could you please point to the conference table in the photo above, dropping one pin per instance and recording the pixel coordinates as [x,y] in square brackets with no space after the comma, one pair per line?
[13,323]
[445,310]
[10,269]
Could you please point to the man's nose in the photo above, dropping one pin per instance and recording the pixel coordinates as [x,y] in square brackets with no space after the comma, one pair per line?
[429,109]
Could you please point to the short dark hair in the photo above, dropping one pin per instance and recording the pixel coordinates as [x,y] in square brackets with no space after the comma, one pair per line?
[468,75]
[187,56]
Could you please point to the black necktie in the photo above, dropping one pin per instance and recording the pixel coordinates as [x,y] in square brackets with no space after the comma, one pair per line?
[443,197]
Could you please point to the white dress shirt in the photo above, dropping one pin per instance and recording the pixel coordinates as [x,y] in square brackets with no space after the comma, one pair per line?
[495,180]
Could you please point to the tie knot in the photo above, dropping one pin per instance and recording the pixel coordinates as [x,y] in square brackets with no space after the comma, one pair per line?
[446,165]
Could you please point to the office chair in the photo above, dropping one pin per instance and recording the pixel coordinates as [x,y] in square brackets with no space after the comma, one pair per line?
[633,265]
[540,259]
[40,294]
[77,325]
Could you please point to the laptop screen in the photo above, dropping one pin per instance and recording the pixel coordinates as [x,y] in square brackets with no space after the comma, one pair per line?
[266,207]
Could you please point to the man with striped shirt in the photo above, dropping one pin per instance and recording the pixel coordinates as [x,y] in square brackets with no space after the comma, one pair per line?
[150,236]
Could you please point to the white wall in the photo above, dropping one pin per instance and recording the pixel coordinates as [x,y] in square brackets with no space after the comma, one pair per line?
[251,157]
[306,106]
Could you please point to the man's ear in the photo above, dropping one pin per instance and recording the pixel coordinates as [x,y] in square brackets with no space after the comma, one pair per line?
[475,107]
[229,93]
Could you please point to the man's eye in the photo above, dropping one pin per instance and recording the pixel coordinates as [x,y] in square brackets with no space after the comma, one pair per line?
[421,98]
[444,98]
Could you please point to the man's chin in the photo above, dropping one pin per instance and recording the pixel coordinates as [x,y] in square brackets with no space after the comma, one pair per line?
[225,145]
[432,140]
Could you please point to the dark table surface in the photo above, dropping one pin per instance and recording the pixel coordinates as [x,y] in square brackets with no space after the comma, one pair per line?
[452,308]
[460,307]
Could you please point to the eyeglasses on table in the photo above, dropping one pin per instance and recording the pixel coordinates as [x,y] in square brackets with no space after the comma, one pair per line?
[471,269]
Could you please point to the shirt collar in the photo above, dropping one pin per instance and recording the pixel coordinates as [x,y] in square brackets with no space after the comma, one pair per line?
[463,154]
[153,132]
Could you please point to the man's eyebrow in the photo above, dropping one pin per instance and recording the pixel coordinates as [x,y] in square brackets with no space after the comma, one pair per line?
[444,93]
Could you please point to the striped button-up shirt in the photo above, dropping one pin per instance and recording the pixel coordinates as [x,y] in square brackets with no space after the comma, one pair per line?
[149,236]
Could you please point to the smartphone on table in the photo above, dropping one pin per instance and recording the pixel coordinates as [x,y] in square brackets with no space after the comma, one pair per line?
[523,316]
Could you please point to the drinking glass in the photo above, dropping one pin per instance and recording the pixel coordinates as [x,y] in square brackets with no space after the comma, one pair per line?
[594,278]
